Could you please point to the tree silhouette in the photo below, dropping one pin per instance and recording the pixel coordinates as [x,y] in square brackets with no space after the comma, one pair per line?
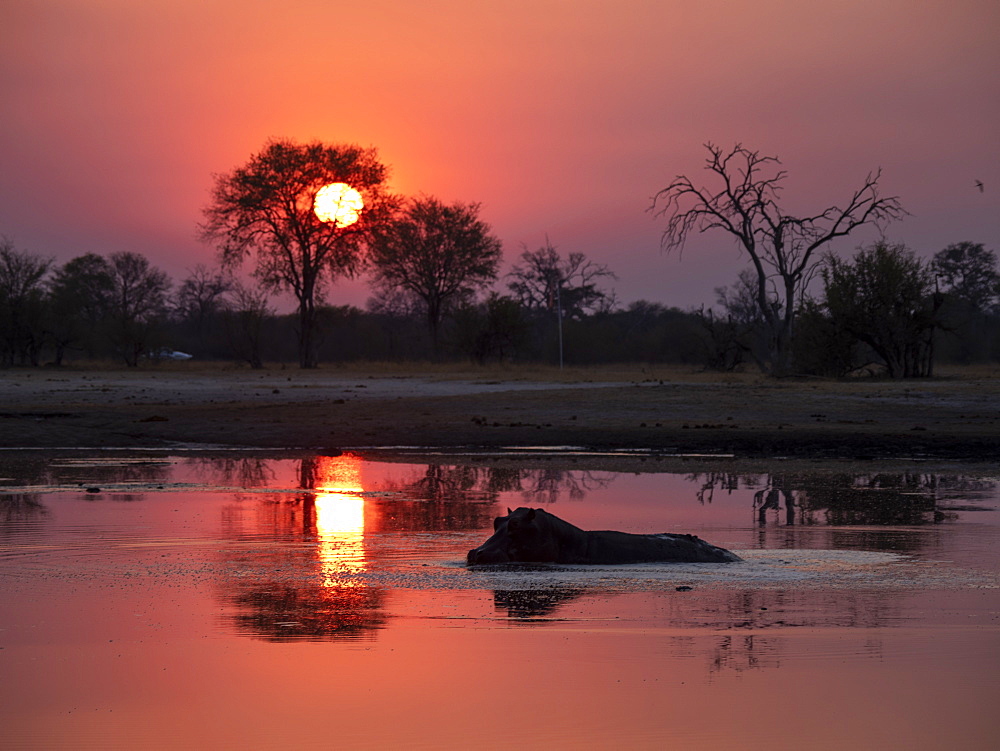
[968,272]
[137,304]
[744,203]
[544,280]
[21,304]
[440,254]
[265,208]
[883,297]
[79,300]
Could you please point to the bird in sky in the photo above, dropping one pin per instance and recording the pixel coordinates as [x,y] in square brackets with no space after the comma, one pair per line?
[979,184]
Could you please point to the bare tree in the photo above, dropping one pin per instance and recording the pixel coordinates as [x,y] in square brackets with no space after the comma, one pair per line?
[247,309]
[201,296]
[21,304]
[137,303]
[441,254]
[781,247]
[544,279]
[266,208]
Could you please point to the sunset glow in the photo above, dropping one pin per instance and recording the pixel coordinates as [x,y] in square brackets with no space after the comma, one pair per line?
[562,122]
[338,203]
[340,519]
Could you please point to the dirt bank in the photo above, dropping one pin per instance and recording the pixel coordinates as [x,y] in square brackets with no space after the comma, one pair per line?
[957,417]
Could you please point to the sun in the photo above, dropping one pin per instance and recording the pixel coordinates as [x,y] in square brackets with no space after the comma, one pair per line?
[338,203]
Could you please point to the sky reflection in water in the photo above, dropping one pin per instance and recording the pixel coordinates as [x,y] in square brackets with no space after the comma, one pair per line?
[125,612]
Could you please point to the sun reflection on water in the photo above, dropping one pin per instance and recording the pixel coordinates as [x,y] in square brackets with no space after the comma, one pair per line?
[340,520]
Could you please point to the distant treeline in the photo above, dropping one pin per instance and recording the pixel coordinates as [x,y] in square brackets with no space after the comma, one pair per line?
[882,311]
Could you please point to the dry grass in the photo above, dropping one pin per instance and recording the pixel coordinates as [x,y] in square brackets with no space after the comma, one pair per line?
[614,373]
[514,372]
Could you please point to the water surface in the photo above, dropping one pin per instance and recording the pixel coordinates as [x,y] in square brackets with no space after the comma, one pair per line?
[171,601]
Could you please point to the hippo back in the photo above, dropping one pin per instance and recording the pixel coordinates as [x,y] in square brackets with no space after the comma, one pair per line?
[621,547]
[528,535]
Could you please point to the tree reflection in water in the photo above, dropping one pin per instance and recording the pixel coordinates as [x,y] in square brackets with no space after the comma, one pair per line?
[877,499]
[533,604]
[44,470]
[303,583]
[19,507]
[300,574]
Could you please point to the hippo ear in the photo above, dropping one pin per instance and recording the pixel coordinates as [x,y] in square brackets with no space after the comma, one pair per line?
[530,515]
[509,512]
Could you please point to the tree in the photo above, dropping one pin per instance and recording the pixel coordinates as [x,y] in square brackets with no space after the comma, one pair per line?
[492,330]
[440,254]
[137,303]
[883,297]
[544,280]
[201,296]
[967,275]
[80,297]
[737,331]
[782,248]
[968,272]
[21,304]
[247,309]
[265,208]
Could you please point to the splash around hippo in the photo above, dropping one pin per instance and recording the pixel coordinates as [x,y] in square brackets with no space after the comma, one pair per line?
[528,535]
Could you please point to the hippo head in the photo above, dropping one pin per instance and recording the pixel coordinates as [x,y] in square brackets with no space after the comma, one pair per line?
[521,536]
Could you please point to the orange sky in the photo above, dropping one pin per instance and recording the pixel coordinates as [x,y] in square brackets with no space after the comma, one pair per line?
[561,117]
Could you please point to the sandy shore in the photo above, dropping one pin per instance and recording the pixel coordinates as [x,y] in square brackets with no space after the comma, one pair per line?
[674,412]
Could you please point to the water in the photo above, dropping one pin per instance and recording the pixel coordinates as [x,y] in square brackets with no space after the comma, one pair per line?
[171,601]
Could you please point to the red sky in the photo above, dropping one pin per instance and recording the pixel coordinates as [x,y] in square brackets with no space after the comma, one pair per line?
[561,117]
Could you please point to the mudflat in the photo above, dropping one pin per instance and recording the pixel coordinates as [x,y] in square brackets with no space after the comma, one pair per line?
[668,410]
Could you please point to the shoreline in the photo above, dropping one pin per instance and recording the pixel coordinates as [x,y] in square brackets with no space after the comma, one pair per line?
[666,414]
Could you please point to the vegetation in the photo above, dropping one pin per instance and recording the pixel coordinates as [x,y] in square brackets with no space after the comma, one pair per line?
[437,255]
[782,248]
[882,311]
[883,298]
[545,281]
[434,270]
[265,208]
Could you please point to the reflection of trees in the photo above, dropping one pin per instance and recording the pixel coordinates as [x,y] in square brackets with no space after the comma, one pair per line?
[455,497]
[19,507]
[242,471]
[288,612]
[876,499]
[547,485]
[44,470]
[290,580]
[529,604]
[736,630]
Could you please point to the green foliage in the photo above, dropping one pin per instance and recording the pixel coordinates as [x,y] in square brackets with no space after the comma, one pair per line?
[968,276]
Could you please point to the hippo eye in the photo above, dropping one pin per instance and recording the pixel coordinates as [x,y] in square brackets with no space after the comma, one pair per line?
[497,522]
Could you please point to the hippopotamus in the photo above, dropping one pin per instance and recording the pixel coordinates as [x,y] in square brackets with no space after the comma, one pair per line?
[529,535]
